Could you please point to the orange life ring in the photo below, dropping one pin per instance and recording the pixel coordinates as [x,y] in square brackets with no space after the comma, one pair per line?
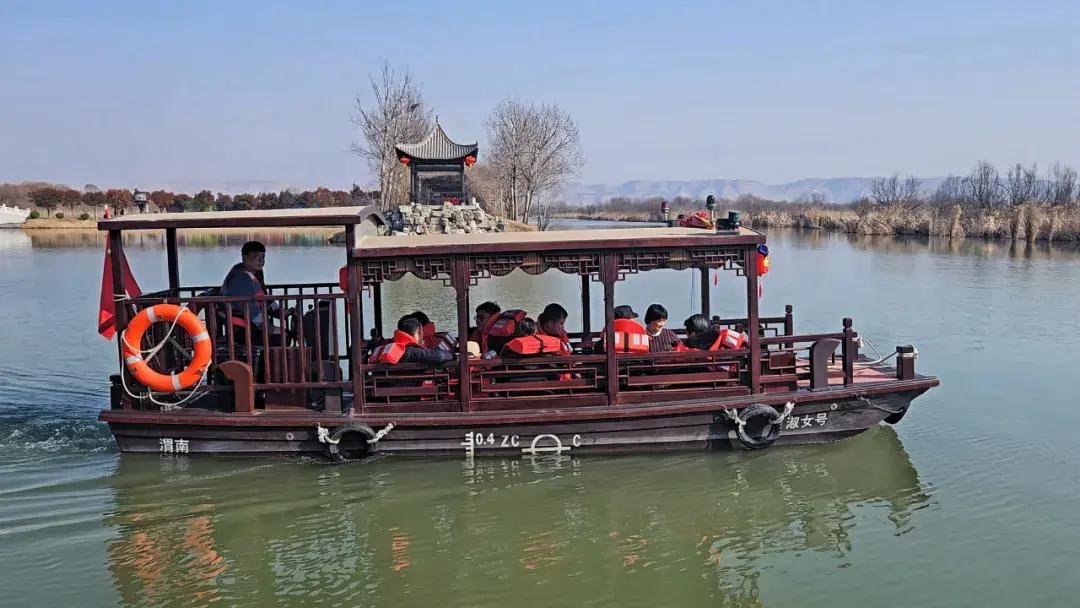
[133,358]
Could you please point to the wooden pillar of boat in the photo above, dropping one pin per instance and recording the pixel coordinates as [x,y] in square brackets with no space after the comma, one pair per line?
[705,291]
[753,330]
[116,254]
[586,309]
[609,272]
[173,259]
[848,353]
[789,324]
[356,321]
[376,298]
[460,279]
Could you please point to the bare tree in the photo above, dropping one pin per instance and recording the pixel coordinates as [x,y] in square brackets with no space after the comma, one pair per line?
[1021,185]
[947,193]
[1060,185]
[535,149]
[982,187]
[895,192]
[485,185]
[397,114]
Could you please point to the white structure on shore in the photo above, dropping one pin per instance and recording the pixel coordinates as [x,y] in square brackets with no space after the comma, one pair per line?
[13,216]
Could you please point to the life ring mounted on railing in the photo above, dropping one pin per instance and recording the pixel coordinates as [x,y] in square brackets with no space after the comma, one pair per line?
[136,363]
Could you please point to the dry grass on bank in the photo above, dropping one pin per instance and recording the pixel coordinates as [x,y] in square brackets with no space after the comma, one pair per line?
[51,223]
[1028,222]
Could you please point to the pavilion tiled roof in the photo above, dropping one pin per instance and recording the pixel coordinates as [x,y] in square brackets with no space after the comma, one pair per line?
[437,146]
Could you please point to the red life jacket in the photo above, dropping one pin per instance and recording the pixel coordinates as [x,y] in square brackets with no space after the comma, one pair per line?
[442,340]
[535,345]
[697,219]
[564,340]
[630,336]
[728,338]
[501,325]
[393,352]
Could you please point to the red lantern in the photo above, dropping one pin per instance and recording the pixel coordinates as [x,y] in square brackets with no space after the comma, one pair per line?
[763,260]
[470,161]
[404,160]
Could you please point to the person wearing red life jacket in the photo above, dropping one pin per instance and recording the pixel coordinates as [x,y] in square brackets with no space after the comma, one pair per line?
[442,340]
[498,330]
[245,279]
[406,347]
[483,313]
[702,335]
[527,342]
[552,323]
[630,336]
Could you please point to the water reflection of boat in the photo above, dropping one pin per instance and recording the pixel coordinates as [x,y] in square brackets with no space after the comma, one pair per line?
[11,239]
[318,389]
[686,527]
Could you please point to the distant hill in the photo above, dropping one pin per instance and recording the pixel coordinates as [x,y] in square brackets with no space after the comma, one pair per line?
[835,190]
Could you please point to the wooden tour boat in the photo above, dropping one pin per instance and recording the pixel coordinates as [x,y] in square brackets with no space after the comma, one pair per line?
[314,392]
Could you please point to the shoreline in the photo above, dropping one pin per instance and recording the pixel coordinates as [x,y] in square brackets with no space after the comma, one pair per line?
[1029,222]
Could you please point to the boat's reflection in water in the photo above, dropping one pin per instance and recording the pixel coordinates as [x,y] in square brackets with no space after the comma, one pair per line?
[487,531]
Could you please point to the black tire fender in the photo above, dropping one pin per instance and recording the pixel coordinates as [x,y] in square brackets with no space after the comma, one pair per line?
[769,432]
[333,448]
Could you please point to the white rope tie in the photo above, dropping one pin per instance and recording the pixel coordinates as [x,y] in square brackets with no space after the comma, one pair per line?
[324,435]
[382,433]
[733,415]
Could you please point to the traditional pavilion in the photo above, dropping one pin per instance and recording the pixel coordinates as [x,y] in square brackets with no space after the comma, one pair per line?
[437,167]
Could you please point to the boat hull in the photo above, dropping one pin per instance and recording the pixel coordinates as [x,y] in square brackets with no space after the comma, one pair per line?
[817,421]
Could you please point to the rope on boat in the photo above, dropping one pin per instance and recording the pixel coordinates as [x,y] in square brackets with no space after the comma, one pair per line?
[151,353]
[733,415]
[324,434]
[878,407]
[382,433]
[860,340]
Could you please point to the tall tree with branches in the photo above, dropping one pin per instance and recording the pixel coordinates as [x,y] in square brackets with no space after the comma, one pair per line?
[535,149]
[395,113]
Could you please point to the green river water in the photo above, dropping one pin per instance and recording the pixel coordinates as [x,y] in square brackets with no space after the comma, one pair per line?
[967,502]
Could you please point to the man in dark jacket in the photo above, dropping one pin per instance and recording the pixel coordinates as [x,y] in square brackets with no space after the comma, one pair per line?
[700,333]
[407,347]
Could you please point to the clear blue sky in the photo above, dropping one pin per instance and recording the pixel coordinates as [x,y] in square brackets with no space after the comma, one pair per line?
[122,92]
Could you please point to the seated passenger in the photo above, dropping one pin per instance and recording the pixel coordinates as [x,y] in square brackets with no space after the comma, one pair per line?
[245,279]
[630,336]
[553,323]
[702,335]
[406,347]
[483,312]
[661,339]
[432,339]
[498,329]
[529,342]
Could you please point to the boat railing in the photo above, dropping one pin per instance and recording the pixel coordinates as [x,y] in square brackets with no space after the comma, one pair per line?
[307,348]
[574,381]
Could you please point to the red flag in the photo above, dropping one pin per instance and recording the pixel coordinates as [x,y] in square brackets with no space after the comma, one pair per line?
[107,311]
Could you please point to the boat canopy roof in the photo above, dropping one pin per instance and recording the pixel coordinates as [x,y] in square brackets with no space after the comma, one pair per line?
[322,216]
[550,240]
